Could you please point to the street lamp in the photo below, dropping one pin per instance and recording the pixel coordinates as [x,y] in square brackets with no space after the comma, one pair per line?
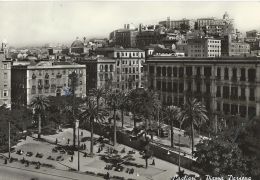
[77,126]
[9,141]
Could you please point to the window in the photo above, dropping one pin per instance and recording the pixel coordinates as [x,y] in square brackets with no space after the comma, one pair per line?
[218,91]
[243,74]
[181,72]
[189,71]
[226,92]
[5,66]
[243,94]
[5,75]
[226,76]
[218,73]
[251,75]
[5,93]
[251,94]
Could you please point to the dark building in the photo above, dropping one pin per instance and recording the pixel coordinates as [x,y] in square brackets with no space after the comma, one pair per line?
[228,86]
[145,38]
[126,38]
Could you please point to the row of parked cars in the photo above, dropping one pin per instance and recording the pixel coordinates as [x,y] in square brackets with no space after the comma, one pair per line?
[29,154]
[119,168]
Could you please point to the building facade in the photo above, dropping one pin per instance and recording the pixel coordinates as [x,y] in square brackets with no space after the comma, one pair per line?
[230,47]
[46,78]
[126,38]
[100,72]
[5,79]
[115,68]
[227,86]
[204,47]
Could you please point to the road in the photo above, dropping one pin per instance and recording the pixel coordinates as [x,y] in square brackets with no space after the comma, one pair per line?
[12,173]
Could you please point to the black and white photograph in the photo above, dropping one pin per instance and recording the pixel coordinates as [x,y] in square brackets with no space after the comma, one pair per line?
[129,90]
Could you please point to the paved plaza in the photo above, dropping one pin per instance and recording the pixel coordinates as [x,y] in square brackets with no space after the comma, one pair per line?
[161,169]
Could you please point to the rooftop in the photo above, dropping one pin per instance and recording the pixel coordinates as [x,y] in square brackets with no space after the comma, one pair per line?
[169,59]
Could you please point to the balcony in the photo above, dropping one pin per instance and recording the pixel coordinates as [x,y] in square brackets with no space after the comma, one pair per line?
[40,86]
[242,98]
[33,76]
[46,76]
[234,79]
[233,97]
[46,86]
[58,75]
[251,98]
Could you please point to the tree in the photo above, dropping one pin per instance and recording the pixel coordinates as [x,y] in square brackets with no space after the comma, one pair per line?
[39,104]
[90,113]
[145,145]
[144,103]
[122,105]
[98,94]
[113,100]
[195,113]
[172,113]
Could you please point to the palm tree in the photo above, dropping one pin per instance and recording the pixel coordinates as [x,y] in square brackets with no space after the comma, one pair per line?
[147,103]
[173,115]
[122,105]
[98,94]
[90,113]
[113,100]
[39,104]
[195,113]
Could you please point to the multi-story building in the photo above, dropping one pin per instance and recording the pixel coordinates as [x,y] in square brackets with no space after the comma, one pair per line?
[227,86]
[5,77]
[230,47]
[100,72]
[253,39]
[46,78]
[126,38]
[146,38]
[204,47]
[117,68]
[176,24]
[202,22]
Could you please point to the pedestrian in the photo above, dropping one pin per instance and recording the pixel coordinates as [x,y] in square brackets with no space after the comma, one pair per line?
[84,146]
[5,160]
[153,163]
[56,141]
[68,141]
[85,154]
[108,175]
[81,133]
[71,158]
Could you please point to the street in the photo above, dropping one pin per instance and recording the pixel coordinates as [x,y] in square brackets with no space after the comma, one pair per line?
[14,173]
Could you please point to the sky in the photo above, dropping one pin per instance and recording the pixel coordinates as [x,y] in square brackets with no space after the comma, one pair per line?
[36,23]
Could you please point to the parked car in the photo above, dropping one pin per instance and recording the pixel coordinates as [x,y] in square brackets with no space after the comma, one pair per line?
[62,151]
[70,152]
[119,168]
[39,155]
[20,152]
[29,154]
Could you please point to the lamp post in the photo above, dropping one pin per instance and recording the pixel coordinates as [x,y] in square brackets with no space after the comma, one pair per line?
[9,141]
[77,126]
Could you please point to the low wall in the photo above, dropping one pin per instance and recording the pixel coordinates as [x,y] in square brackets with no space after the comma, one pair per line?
[158,151]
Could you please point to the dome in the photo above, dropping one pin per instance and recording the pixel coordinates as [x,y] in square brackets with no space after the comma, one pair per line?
[77,44]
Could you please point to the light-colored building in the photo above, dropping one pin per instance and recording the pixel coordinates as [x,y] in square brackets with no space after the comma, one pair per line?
[228,86]
[204,47]
[5,78]
[115,68]
[176,24]
[46,78]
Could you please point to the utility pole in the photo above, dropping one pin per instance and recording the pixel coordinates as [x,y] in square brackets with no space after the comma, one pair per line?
[77,126]
[9,141]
